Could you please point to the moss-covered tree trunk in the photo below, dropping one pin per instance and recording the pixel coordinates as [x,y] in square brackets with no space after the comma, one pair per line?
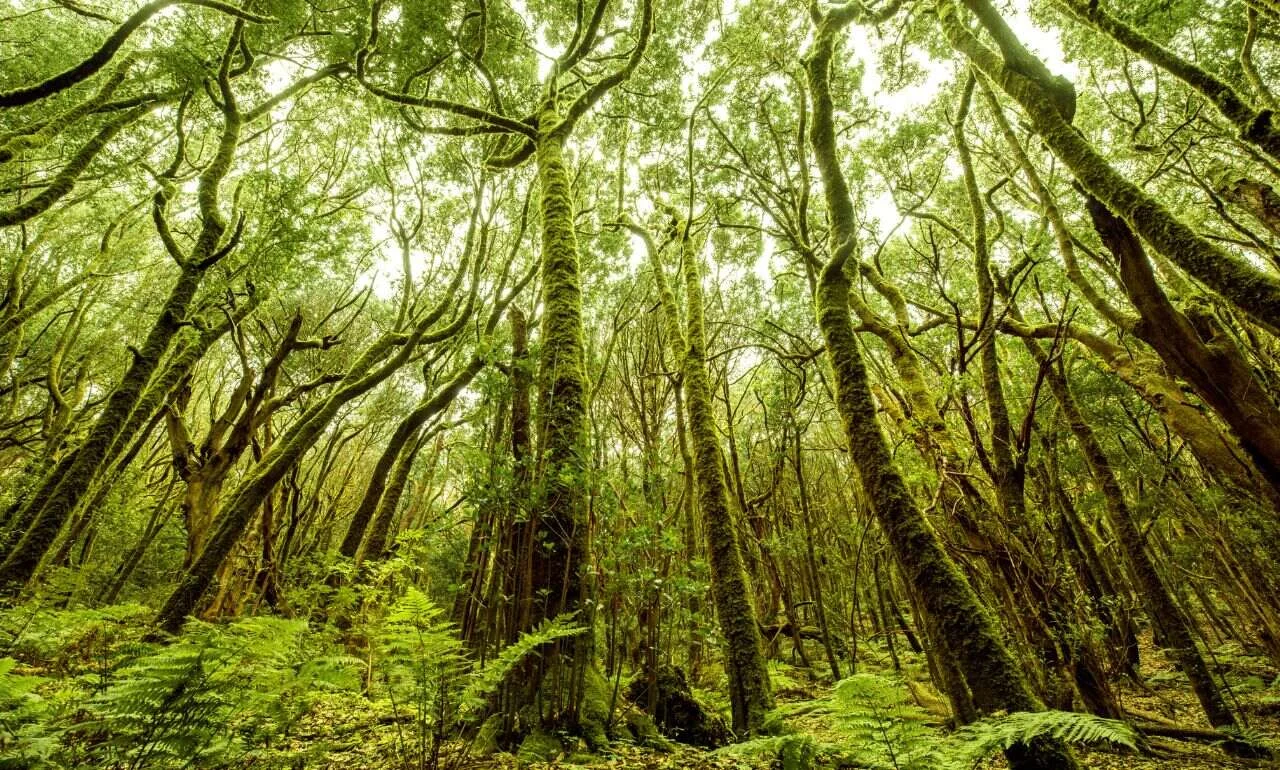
[750,694]
[378,539]
[965,627]
[560,559]
[49,507]
[1049,103]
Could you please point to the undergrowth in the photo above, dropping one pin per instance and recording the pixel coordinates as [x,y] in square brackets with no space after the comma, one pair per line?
[874,724]
[78,688]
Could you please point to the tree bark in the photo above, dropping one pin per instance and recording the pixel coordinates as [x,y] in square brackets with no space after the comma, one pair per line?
[965,628]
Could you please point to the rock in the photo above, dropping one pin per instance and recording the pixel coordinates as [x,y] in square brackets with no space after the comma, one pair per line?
[486,742]
[677,713]
[539,746]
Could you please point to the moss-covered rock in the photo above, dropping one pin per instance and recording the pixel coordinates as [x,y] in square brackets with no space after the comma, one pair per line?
[644,731]
[486,740]
[677,713]
[539,746]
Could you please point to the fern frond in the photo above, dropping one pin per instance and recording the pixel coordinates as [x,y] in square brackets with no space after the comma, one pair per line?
[973,743]
[489,679]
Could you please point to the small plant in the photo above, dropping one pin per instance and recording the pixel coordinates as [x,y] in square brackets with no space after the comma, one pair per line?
[209,697]
[431,681]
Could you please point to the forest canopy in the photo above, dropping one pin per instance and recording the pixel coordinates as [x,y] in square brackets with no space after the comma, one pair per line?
[661,383]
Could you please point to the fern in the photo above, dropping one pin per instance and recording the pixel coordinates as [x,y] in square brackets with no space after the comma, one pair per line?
[973,743]
[430,678]
[882,727]
[24,741]
[63,640]
[487,681]
[881,723]
[204,699]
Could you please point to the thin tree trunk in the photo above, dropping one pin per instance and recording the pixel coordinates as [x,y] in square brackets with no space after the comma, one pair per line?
[965,627]
[1174,627]
[750,695]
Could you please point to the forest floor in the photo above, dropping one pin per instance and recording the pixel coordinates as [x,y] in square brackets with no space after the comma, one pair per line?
[816,736]
[78,689]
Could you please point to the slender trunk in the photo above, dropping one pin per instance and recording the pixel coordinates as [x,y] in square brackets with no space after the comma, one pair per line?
[49,507]
[815,575]
[159,515]
[517,553]
[689,517]
[750,695]
[374,547]
[403,436]
[1044,629]
[966,629]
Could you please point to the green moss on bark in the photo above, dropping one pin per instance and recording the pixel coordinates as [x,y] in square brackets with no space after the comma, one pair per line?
[750,693]
[969,632]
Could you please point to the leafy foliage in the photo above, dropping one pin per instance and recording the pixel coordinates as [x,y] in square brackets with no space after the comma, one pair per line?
[215,695]
[430,678]
[211,695]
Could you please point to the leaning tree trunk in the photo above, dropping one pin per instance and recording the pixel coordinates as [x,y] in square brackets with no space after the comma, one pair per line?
[1174,627]
[406,431]
[49,507]
[1049,104]
[966,629]
[1196,349]
[380,533]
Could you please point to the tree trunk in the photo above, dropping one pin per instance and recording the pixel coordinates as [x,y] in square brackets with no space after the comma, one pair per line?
[48,508]
[1174,627]
[964,626]
[560,558]
[750,695]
